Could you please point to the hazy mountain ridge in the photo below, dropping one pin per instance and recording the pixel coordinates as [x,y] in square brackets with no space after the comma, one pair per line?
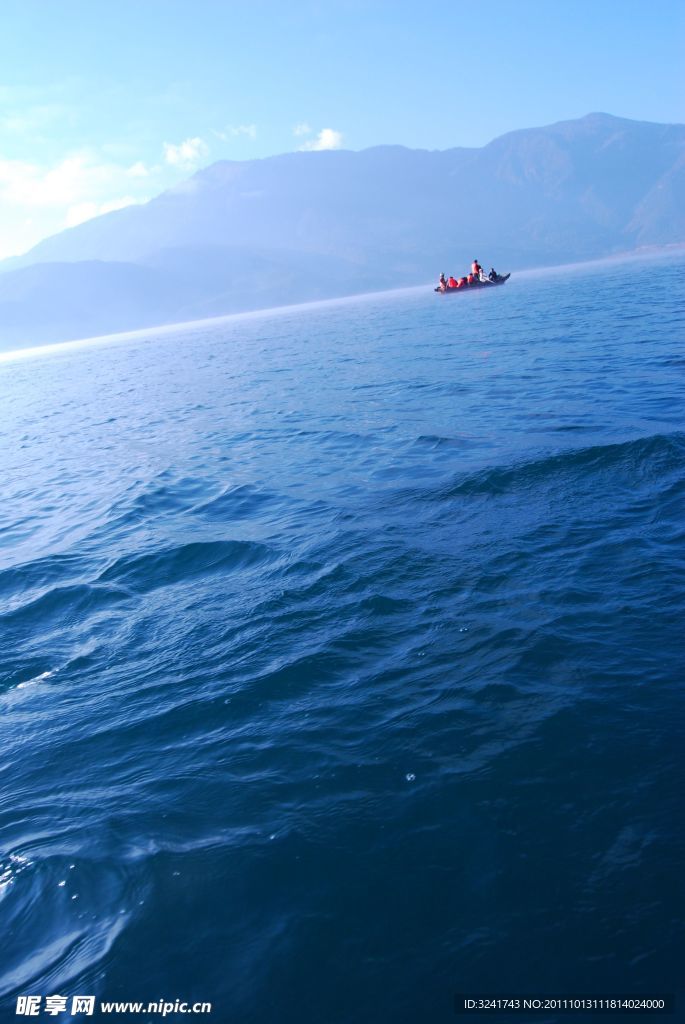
[240,235]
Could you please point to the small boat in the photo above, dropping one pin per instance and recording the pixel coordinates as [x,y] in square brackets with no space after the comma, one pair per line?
[501,279]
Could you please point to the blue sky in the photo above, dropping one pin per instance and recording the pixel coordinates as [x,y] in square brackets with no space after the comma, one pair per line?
[104,103]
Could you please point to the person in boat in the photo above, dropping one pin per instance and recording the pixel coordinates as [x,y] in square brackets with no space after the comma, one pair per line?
[476,268]
[442,283]
[462,282]
[452,283]
[493,275]
[471,278]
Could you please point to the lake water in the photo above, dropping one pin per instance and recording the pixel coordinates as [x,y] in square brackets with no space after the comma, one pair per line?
[342,654]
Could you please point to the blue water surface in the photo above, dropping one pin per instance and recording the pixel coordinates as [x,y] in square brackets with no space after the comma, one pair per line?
[342,654]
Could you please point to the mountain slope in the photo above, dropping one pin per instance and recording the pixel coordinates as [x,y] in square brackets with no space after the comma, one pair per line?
[49,302]
[247,234]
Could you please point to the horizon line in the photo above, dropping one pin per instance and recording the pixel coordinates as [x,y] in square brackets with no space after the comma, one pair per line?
[57,347]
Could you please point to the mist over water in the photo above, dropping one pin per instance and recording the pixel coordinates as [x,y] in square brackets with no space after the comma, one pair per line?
[342,653]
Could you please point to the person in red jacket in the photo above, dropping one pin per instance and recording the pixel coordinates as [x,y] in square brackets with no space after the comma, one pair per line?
[452,282]
[471,278]
[476,269]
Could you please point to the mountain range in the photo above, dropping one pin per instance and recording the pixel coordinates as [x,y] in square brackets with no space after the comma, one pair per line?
[307,225]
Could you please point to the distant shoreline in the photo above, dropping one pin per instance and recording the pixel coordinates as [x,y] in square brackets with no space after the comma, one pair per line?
[642,254]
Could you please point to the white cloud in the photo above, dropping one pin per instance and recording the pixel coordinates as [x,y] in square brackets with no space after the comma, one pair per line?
[232,131]
[187,153]
[37,200]
[138,170]
[79,212]
[66,182]
[328,138]
[86,211]
[250,130]
[302,128]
